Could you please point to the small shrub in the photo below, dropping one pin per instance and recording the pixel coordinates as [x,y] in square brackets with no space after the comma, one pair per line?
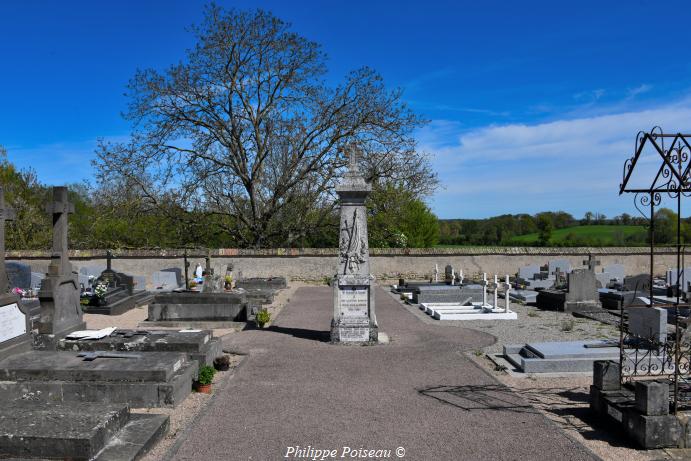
[567,325]
[206,375]
[222,363]
[262,318]
[478,353]
[532,313]
[193,284]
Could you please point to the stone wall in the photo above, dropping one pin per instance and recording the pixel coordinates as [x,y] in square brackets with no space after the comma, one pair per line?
[310,264]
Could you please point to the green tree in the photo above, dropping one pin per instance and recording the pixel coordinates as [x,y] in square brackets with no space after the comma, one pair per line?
[545,227]
[397,219]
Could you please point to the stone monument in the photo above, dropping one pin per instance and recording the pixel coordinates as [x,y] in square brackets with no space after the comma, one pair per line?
[59,293]
[354,320]
[15,329]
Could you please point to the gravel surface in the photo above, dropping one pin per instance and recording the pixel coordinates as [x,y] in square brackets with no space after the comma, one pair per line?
[532,325]
[419,392]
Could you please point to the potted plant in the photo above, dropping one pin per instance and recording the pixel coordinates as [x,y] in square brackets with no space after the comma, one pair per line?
[228,285]
[262,318]
[206,376]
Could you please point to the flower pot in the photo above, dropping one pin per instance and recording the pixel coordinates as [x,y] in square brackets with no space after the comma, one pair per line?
[203,388]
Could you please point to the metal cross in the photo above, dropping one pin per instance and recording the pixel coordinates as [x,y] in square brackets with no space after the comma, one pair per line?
[91,356]
[6,214]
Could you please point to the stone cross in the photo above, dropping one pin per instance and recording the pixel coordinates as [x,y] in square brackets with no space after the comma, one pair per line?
[460,276]
[591,263]
[484,289]
[354,155]
[453,277]
[6,214]
[109,260]
[436,273]
[507,285]
[496,291]
[60,209]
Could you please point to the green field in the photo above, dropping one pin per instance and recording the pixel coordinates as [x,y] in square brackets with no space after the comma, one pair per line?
[593,234]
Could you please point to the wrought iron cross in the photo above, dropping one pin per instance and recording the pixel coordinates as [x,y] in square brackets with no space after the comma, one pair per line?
[6,214]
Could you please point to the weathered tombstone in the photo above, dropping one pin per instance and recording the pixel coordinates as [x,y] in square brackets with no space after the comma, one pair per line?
[179,280]
[648,323]
[164,281]
[582,290]
[59,293]
[564,266]
[354,319]
[617,271]
[528,272]
[639,283]
[19,275]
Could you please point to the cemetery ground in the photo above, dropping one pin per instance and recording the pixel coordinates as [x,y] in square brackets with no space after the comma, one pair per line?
[287,387]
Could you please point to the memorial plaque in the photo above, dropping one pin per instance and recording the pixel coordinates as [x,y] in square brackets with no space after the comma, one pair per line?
[12,322]
[354,301]
[354,334]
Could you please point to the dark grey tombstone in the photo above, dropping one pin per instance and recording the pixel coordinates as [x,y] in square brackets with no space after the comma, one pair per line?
[639,283]
[19,275]
[61,311]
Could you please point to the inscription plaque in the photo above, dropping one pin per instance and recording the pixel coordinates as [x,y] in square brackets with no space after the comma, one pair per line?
[12,322]
[354,301]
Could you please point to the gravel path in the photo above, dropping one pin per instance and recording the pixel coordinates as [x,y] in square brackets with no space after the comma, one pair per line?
[420,393]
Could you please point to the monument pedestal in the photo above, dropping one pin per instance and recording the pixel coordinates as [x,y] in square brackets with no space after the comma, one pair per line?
[354,321]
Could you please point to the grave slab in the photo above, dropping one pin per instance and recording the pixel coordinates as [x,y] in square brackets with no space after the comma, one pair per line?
[78,431]
[139,379]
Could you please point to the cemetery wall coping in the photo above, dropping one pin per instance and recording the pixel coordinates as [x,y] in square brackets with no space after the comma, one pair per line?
[331,252]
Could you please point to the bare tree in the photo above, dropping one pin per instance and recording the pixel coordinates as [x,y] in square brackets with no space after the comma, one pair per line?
[247,128]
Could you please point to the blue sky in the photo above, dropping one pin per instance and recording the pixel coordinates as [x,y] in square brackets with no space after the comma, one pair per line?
[532,105]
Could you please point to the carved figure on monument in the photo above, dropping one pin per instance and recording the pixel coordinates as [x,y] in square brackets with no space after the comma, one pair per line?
[354,245]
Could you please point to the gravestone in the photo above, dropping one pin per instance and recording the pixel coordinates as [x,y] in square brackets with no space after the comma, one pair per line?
[164,281]
[19,275]
[59,293]
[354,320]
[448,274]
[639,283]
[120,296]
[36,278]
[582,290]
[648,323]
[15,326]
[179,280]
[617,271]
[528,272]
[563,265]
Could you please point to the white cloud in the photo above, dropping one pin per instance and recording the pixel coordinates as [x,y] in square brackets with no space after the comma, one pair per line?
[574,165]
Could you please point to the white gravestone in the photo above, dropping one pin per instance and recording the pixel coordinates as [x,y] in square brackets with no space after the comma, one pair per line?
[12,322]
